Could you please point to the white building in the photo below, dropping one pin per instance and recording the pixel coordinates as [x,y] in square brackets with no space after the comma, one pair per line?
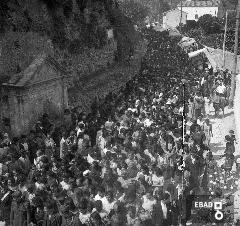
[198,8]
[172,18]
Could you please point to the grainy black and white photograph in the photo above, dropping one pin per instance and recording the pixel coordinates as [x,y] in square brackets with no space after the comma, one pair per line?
[119,112]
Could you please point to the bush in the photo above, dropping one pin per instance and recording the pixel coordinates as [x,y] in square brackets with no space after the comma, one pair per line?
[210,24]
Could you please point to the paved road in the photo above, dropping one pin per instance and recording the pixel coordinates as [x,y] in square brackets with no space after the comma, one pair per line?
[221,127]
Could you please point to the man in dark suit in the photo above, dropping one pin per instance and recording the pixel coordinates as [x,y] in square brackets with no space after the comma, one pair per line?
[161,215]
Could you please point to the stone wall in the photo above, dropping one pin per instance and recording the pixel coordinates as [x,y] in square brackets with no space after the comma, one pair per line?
[109,80]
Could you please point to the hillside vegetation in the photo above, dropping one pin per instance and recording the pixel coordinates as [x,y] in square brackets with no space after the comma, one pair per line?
[74,31]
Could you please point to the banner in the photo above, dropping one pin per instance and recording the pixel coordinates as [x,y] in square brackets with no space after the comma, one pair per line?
[215,57]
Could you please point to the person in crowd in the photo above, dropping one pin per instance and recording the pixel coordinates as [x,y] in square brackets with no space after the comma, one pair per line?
[198,102]
[207,129]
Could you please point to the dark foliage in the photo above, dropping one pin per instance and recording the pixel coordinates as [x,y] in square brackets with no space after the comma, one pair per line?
[210,31]
[66,25]
[210,24]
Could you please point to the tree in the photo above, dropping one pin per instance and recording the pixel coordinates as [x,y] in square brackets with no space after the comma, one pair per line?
[74,27]
[136,11]
[210,24]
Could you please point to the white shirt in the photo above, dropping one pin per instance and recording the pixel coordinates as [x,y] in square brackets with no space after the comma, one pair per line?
[102,143]
[80,144]
[62,142]
[200,123]
[90,159]
[107,206]
[137,103]
[79,131]
[121,199]
[98,197]
[84,217]
[221,89]
[164,209]
[147,122]
[157,181]
[148,204]
[25,145]
[64,185]
[1,168]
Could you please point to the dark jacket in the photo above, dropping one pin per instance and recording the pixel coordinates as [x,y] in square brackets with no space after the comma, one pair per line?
[54,220]
[157,215]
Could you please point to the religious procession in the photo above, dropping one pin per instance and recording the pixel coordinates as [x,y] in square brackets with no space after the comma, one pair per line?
[124,163]
[145,155]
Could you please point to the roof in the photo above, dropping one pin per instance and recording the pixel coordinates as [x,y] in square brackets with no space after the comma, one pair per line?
[186,41]
[171,10]
[200,3]
[28,76]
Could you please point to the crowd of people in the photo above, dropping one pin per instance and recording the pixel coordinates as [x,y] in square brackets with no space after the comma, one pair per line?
[131,161]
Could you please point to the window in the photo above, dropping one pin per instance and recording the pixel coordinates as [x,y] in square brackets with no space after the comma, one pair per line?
[196,16]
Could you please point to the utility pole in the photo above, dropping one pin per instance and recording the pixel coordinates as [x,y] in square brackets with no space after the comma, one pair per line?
[184,81]
[180,27]
[159,10]
[225,35]
[233,80]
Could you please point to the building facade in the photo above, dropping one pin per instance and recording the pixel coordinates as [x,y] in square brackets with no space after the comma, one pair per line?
[196,9]
[41,88]
[173,18]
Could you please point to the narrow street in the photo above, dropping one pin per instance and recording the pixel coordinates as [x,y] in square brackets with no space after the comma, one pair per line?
[221,126]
